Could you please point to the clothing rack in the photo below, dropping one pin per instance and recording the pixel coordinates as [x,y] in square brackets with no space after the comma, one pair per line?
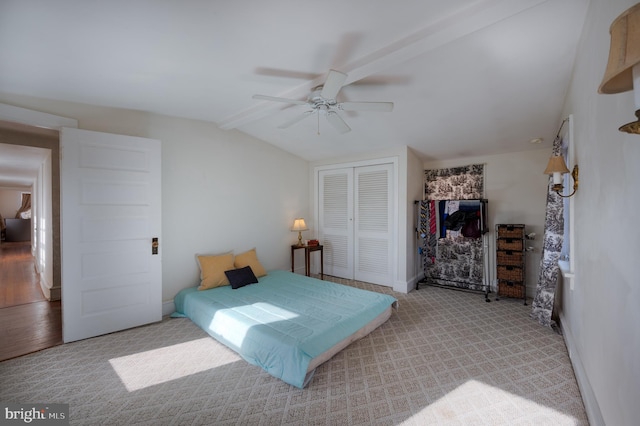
[454,244]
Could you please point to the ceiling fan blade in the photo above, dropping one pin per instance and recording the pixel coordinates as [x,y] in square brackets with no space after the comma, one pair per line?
[295,119]
[336,121]
[332,85]
[278,72]
[276,99]
[366,106]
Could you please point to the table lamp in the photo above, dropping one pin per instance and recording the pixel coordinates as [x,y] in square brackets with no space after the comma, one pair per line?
[299,225]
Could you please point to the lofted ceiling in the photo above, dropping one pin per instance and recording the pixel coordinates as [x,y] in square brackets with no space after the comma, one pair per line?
[466,77]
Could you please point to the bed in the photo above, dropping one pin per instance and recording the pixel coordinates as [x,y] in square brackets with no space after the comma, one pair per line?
[287,324]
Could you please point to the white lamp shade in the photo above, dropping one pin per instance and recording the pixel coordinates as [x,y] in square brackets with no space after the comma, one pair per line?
[299,225]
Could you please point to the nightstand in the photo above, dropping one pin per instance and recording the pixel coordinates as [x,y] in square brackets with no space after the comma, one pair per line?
[307,258]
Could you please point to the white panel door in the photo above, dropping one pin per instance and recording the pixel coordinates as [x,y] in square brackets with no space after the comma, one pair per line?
[335,226]
[373,229]
[110,212]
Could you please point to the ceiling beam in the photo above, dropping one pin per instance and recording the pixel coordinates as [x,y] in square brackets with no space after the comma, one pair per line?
[466,21]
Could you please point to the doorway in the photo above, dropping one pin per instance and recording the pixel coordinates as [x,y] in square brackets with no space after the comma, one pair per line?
[30,271]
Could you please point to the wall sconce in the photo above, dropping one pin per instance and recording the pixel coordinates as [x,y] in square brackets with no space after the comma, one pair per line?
[623,68]
[299,225]
[557,167]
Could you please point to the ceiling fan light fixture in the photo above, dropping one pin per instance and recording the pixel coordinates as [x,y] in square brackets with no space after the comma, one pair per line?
[323,99]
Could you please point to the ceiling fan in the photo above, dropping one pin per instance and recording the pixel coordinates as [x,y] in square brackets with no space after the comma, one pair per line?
[322,100]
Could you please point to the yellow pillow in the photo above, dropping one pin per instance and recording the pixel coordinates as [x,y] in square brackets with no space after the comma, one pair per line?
[212,269]
[250,258]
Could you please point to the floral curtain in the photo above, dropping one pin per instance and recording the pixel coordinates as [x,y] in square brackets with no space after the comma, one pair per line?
[455,183]
[542,307]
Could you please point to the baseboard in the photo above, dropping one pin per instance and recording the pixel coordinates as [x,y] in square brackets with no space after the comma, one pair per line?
[55,293]
[588,397]
[407,286]
[168,308]
[46,291]
[402,287]
[531,292]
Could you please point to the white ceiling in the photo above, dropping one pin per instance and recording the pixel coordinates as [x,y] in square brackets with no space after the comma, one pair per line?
[467,77]
[19,165]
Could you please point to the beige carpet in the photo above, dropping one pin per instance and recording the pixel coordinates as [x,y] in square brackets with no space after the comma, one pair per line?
[444,358]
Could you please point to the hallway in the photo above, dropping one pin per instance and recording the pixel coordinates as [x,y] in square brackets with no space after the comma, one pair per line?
[28,322]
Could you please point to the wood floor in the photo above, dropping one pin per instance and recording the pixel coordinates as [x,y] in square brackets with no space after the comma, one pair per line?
[28,322]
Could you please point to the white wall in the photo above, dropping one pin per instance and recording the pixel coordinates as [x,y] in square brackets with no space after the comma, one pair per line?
[221,190]
[410,188]
[516,189]
[10,201]
[415,191]
[42,214]
[601,315]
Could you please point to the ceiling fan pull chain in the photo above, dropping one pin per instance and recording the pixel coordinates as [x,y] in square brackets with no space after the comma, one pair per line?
[323,98]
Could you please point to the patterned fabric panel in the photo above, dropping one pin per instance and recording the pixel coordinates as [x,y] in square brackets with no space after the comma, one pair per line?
[428,230]
[542,306]
[456,183]
[458,263]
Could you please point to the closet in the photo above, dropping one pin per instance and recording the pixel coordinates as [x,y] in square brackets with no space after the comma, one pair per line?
[356,222]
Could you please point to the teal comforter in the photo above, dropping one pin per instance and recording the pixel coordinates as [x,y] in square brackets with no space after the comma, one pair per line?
[281,323]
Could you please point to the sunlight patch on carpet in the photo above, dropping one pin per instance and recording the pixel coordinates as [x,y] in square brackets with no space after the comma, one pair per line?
[153,367]
[474,399]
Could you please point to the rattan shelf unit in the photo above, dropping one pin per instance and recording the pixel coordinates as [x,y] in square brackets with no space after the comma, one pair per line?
[510,261]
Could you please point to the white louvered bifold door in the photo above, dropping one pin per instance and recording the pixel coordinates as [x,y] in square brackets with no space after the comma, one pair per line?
[373,224]
[336,221]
